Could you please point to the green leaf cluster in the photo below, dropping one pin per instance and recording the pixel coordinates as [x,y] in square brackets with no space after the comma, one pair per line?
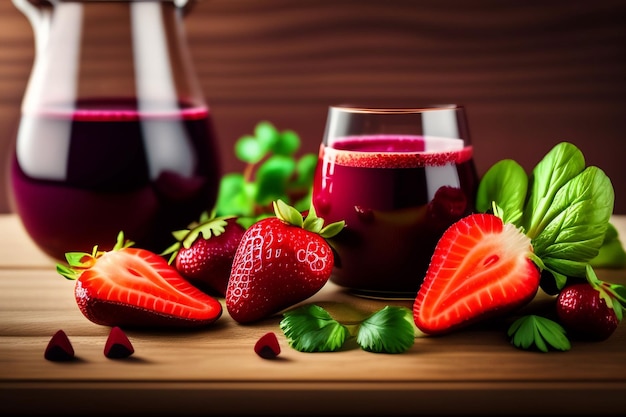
[563,206]
[272,171]
[541,333]
[538,332]
[310,328]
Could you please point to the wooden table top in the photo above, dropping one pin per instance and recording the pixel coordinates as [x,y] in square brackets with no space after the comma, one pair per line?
[215,370]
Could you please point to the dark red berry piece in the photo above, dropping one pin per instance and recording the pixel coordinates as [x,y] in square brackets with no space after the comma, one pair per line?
[267,346]
[59,348]
[117,345]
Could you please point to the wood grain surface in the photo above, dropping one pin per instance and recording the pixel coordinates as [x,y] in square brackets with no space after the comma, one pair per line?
[214,370]
[530,73]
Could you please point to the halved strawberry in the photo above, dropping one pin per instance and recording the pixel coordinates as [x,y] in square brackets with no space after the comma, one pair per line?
[480,268]
[132,287]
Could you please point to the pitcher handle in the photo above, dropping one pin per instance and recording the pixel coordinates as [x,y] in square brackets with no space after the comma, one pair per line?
[39,16]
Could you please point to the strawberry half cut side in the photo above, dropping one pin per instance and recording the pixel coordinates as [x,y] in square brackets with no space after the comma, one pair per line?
[133,287]
[480,268]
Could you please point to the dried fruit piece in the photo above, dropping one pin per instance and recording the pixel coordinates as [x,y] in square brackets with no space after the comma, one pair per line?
[59,348]
[267,346]
[118,346]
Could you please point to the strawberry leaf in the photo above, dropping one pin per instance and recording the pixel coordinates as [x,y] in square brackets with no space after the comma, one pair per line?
[311,329]
[332,229]
[540,332]
[614,295]
[288,213]
[389,330]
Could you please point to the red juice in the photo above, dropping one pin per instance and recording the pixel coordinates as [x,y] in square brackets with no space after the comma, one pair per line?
[397,195]
[80,177]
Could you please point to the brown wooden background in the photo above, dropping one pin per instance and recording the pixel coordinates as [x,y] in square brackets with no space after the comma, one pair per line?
[531,73]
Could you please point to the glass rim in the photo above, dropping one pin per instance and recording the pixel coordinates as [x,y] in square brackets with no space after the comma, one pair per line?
[348,108]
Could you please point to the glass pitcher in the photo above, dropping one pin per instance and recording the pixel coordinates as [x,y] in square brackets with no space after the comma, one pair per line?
[115,134]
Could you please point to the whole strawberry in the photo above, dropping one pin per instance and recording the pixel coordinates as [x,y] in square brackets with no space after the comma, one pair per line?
[280,261]
[590,310]
[204,252]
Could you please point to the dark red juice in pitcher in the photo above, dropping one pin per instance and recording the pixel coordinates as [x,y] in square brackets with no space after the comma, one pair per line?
[397,195]
[80,177]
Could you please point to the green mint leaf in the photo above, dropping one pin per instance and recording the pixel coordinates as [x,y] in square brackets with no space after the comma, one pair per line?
[272,177]
[389,330]
[562,163]
[572,229]
[266,135]
[287,143]
[538,332]
[504,184]
[249,150]
[305,171]
[233,198]
[311,329]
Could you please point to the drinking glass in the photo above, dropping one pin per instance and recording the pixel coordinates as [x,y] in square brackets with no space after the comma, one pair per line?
[398,177]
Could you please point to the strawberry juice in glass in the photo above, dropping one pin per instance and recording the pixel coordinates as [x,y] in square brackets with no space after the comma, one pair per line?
[399,178]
